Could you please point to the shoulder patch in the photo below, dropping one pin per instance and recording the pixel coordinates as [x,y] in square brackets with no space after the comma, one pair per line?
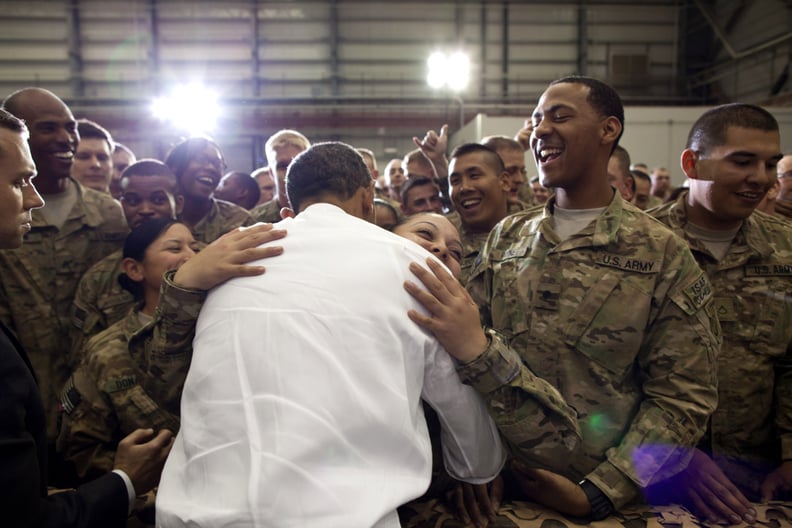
[119,384]
[699,292]
[70,397]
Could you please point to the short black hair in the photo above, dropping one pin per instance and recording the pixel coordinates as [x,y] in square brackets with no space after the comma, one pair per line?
[249,184]
[493,159]
[710,128]
[412,183]
[148,167]
[602,97]
[180,155]
[331,168]
[135,246]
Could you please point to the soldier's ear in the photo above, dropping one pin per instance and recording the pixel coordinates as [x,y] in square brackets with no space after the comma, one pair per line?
[688,161]
[133,269]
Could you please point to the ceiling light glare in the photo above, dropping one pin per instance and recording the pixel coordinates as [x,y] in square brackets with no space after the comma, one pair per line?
[190,107]
[451,71]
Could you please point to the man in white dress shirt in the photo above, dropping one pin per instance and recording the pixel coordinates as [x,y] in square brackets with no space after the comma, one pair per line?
[302,407]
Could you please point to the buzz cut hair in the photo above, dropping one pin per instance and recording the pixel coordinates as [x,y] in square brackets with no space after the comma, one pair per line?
[602,97]
[492,157]
[711,127]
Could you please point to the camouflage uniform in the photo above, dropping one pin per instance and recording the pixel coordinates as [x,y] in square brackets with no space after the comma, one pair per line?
[473,242]
[783,208]
[222,218]
[521,514]
[269,212]
[99,302]
[131,376]
[751,430]
[619,318]
[39,279]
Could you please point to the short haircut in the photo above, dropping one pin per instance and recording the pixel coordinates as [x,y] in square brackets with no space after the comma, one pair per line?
[416,156]
[412,183]
[332,168]
[285,137]
[11,122]
[148,167]
[641,175]
[492,157]
[710,129]
[602,97]
[180,155]
[92,130]
[368,153]
[621,154]
[535,179]
[248,183]
[120,146]
[498,143]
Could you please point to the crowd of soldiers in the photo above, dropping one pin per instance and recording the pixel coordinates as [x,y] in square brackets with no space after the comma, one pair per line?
[634,348]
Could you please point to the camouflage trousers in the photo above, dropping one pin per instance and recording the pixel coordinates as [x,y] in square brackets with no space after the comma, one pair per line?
[517,514]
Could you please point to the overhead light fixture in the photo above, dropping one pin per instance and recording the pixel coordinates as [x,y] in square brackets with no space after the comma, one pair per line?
[451,71]
[191,107]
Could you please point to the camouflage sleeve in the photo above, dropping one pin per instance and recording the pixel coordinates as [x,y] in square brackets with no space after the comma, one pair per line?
[166,348]
[537,424]
[103,402]
[677,364]
[783,390]
[88,425]
[539,427]
[86,319]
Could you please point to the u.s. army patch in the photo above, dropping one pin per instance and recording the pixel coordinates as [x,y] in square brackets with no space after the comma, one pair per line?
[625,263]
[775,269]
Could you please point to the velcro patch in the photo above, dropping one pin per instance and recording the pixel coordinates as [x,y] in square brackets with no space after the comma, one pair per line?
[119,384]
[70,398]
[699,292]
[625,263]
[776,269]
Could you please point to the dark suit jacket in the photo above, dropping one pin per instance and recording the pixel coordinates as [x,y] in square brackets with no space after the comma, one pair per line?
[23,459]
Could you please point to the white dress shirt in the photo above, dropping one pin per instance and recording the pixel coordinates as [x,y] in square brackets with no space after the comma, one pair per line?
[302,405]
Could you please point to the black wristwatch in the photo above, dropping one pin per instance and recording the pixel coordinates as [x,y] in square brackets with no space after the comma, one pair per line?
[601,506]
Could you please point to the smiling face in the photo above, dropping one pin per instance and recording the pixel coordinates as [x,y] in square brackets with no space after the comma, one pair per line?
[435,234]
[53,133]
[202,173]
[17,193]
[478,192]
[568,136]
[728,182]
[93,165]
[168,252]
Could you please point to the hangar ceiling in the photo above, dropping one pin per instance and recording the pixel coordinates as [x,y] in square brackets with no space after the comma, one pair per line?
[356,70]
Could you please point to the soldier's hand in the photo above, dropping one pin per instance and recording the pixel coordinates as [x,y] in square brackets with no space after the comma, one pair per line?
[141,455]
[453,315]
[552,490]
[434,145]
[523,136]
[710,493]
[476,503]
[227,257]
[778,480]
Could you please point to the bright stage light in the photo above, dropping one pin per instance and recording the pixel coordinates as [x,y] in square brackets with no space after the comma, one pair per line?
[452,70]
[191,107]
